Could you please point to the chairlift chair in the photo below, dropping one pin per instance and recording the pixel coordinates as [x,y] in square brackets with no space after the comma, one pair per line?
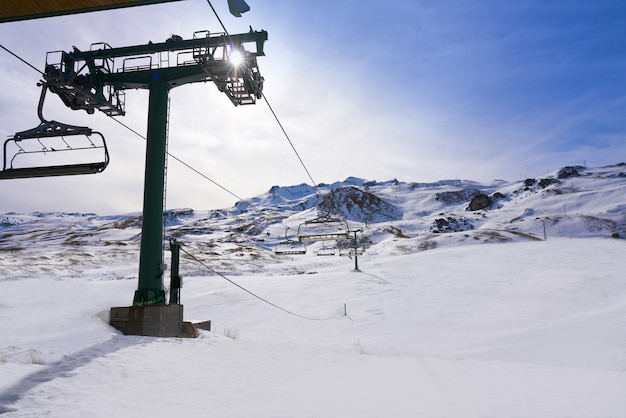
[50,140]
[326,252]
[323,228]
[290,247]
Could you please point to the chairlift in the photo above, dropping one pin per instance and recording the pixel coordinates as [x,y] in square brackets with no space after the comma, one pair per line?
[326,252]
[290,247]
[44,150]
[323,228]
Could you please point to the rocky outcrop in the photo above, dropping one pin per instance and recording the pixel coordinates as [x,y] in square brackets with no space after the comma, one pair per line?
[479,201]
[570,171]
[357,205]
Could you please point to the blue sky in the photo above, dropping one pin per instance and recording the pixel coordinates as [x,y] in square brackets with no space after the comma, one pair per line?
[415,90]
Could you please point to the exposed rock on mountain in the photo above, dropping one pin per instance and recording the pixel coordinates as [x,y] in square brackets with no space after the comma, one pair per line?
[543,183]
[387,216]
[479,201]
[457,196]
[357,205]
[451,224]
[570,171]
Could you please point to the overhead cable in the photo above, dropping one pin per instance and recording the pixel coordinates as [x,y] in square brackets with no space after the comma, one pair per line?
[291,143]
[183,162]
[257,296]
[274,114]
[21,59]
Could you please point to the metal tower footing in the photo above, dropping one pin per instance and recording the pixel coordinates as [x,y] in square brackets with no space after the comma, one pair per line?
[152,321]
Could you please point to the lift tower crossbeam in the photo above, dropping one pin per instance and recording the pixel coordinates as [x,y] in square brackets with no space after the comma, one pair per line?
[90,80]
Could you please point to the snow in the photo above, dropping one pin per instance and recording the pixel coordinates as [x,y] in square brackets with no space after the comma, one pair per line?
[464,328]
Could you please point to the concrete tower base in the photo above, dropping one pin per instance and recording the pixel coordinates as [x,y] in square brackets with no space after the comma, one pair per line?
[149,320]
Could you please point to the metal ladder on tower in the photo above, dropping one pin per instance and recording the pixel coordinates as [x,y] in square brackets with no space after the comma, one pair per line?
[167,141]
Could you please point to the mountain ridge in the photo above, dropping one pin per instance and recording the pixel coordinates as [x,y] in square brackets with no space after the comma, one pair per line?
[390,216]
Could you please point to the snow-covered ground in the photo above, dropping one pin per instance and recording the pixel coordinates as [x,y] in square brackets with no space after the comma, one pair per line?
[531,329]
[433,324]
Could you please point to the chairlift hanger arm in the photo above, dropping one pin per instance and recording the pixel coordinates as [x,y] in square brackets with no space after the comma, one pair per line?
[48,128]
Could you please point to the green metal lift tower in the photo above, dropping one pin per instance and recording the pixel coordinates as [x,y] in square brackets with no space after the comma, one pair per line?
[97,79]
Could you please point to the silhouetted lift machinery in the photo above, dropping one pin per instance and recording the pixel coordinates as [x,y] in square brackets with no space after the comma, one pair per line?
[90,80]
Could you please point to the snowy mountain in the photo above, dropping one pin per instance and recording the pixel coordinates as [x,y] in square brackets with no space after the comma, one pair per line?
[391,216]
[471,300]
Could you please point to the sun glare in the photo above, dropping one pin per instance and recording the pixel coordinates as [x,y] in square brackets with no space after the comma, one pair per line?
[235,58]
